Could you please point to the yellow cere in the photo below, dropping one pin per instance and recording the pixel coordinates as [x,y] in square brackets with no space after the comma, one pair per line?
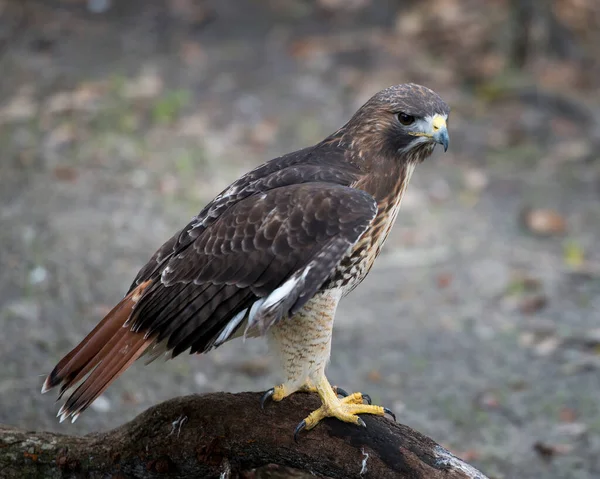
[438,122]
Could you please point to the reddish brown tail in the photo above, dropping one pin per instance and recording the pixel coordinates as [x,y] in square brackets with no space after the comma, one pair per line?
[104,354]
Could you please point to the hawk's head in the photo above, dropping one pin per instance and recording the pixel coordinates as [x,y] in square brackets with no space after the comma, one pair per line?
[402,121]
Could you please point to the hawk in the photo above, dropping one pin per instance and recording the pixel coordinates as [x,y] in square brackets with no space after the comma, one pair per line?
[271,255]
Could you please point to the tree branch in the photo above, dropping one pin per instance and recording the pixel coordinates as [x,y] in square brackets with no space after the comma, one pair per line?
[226,436]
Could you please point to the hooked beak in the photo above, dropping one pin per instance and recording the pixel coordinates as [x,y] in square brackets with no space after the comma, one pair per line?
[440,131]
[434,128]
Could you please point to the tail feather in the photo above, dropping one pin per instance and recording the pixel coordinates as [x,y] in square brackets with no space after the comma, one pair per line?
[104,375]
[84,352]
[102,356]
[76,376]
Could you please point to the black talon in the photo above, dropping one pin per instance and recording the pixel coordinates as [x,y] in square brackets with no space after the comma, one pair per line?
[266,396]
[341,392]
[387,411]
[367,398]
[361,423]
[298,429]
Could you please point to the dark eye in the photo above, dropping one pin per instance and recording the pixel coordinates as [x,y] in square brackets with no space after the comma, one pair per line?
[406,119]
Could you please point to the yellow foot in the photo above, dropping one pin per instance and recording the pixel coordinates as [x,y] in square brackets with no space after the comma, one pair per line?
[345,409]
[276,394]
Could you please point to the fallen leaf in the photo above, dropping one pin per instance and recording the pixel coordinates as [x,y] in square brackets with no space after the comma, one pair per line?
[409,23]
[443,280]
[567,414]
[519,385]
[374,376]
[573,254]
[20,107]
[543,222]
[520,285]
[531,284]
[148,84]
[306,48]
[83,98]
[533,304]
[65,173]
[32,456]
[547,346]
[548,451]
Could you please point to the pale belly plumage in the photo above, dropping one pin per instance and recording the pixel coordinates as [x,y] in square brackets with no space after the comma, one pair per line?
[302,343]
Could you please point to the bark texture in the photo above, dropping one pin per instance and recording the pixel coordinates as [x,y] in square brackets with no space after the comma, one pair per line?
[228,436]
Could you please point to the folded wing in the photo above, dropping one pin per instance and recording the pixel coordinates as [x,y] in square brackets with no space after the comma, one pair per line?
[255,263]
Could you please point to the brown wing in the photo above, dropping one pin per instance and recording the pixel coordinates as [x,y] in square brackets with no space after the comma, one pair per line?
[284,242]
[324,162]
[261,261]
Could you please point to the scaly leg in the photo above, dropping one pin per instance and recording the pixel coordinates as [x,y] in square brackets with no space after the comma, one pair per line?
[309,387]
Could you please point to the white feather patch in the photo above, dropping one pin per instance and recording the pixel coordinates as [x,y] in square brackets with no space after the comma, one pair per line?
[285,289]
[231,325]
[280,293]
[254,308]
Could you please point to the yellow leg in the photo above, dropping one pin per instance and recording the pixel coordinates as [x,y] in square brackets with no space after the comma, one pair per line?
[309,387]
[280,392]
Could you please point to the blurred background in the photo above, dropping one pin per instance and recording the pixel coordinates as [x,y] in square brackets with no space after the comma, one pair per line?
[479,325]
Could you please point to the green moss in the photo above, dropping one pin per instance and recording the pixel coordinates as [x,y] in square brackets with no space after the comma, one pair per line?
[167,108]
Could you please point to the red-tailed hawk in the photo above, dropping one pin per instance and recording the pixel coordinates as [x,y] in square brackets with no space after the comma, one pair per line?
[271,255]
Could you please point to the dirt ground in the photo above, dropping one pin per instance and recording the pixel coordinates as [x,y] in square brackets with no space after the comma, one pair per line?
[479,324]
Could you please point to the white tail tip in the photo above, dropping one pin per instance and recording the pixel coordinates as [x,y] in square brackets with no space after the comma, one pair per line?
[46,387]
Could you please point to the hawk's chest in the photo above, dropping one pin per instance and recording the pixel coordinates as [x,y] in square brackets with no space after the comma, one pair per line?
[356,265]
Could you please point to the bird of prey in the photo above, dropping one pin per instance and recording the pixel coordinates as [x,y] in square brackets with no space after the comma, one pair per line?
[271,255]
